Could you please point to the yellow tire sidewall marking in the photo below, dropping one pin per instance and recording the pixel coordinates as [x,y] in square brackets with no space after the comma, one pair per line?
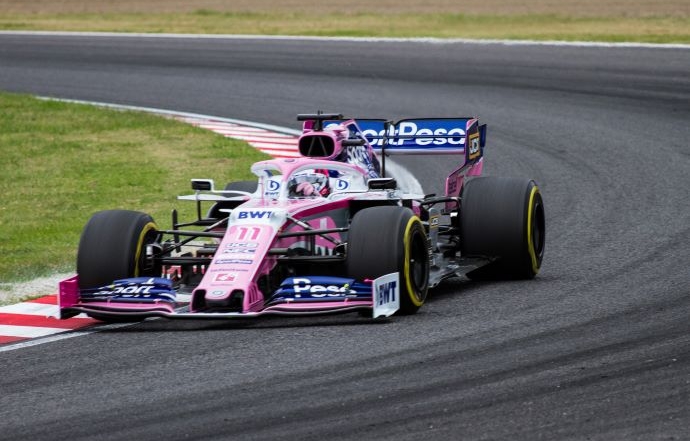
[530,244]
[406,271]
[140,244]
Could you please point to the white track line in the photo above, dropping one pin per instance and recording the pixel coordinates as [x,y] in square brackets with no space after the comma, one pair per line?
[60,336]
[425,40]
[28,331]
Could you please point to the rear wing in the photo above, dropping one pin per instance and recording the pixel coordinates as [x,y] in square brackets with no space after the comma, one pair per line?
[421,136]
[425,136]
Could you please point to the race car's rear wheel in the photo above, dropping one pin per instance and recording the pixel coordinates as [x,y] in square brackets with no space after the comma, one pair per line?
[503,219]
[384,240]
[239,186]
[248,186]
[113,246]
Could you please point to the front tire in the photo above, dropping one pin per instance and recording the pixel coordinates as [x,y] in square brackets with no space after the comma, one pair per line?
[384,240]
[503,219]
[113,246]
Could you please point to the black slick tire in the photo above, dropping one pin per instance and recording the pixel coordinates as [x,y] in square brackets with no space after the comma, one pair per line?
[503,219]
[248,186]
[388,239]
[113,246]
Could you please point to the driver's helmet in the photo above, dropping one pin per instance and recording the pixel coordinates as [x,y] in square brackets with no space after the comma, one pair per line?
[310,184]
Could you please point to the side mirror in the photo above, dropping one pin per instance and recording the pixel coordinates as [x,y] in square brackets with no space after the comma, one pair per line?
[202,184]
[382,184]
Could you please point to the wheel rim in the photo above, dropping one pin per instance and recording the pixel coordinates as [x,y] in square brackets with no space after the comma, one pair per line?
[538,230]
[419,263]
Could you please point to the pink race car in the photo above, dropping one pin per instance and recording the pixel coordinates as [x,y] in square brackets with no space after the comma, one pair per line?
[330,232]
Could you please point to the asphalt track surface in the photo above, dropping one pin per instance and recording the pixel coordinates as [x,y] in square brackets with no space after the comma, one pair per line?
[597,347]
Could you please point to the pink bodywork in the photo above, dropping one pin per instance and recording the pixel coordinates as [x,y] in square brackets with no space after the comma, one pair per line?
[242,255]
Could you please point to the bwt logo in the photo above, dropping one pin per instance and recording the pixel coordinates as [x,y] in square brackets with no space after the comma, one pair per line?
[273,185]
[452,136]
[254,215]
[387,293]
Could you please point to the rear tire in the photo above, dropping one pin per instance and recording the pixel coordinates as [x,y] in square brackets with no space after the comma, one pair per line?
[113,246]
[248,186]
[503,219]
[384,240]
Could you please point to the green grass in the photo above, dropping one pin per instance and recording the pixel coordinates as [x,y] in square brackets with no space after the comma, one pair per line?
[62,162]
[442,25]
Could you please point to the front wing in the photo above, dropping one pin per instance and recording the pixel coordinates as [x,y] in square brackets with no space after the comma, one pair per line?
[154,297]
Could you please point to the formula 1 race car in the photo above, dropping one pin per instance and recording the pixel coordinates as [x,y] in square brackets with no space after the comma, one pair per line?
[329,232]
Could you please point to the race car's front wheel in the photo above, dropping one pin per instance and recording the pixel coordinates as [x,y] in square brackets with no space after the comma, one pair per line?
[384,240]
[503,219]
[113,246]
